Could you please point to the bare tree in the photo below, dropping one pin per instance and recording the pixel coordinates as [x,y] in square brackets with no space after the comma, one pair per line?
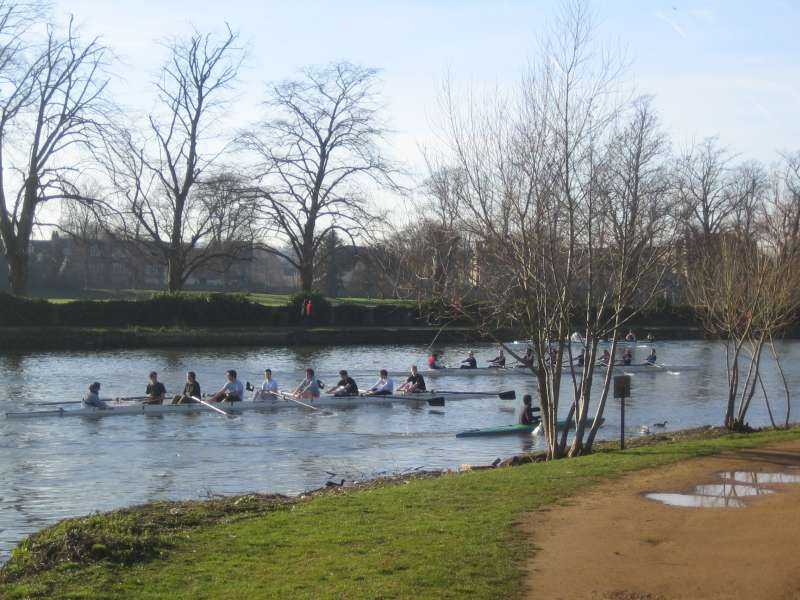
[317,149]
[52,106]
[171,197]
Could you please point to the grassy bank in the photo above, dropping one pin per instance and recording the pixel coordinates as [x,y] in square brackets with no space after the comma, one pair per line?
[450,536]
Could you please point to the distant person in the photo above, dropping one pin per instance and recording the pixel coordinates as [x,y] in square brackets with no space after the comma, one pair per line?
[606,358]
[527,417]
[527,360]
[155,391]
[92,398]
[627,357]
[498,361]
[415,382]
[309,388]
[631,337]
[190,390]
[346,387]
[383,387]
[231,391]
[433,361]
[469,362]
[651,358]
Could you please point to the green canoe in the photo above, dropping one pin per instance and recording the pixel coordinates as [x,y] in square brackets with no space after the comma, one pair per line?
[511,429]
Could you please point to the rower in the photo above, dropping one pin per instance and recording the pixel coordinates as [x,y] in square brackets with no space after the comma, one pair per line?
[630,337]
[383,387]
[269,389]
[527,417]
[433,361]
[606,358]
[190,390]
[527,360]
[469,362]
[92,399]
[309,388]
[499,361]
[415,382]
[627,357]
[581,359]
[231,391]
[346,386]
[651,358]
[155,390]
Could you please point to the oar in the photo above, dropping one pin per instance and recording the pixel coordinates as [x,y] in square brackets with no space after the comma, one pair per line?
[212,407]
[289,397]
[508,395]
[671,372]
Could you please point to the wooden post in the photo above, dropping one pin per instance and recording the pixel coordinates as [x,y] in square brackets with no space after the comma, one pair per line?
[622,390]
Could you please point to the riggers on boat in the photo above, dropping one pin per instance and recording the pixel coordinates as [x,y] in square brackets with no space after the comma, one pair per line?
[127,408]
[516,429]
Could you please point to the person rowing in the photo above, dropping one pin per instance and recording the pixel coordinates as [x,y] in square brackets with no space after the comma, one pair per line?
[92,398]
[469,362]
[269,388]
[309,388]
[231,391]
[499,361]
[433,361]
[651,358]
[527,360]
[627,357]
[155,390]
[527,417]
[190,390]
[606,358]
[415,382]
[383,387]
[346,387]
[631,337]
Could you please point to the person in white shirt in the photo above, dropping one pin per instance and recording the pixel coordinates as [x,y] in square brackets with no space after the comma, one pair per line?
[232,391]
[269,389]
[383,387]
[92,399]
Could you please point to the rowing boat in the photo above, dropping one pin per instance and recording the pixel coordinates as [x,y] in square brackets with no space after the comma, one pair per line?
[120,408]
[525,371]
[516,429]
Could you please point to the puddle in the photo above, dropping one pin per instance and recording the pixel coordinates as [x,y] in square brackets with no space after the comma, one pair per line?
[736,486]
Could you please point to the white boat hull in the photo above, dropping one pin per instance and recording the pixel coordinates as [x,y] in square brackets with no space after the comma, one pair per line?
[121,409]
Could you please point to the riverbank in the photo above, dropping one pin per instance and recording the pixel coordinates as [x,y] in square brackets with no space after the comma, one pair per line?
[391,538]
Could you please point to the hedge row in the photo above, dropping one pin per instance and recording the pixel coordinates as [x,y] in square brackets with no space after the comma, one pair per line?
[199,310]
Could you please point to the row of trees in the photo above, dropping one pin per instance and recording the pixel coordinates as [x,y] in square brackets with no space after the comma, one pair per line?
[560,206]
[176,182]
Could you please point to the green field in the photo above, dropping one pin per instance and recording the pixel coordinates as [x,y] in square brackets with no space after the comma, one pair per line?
[454,536]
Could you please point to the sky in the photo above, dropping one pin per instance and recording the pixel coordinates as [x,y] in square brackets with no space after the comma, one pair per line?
[725,68]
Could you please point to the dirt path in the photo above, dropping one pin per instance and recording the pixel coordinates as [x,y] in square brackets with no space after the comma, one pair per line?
[616,544]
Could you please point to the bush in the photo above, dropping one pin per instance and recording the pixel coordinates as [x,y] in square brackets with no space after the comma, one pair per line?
[320,309]
[16,311]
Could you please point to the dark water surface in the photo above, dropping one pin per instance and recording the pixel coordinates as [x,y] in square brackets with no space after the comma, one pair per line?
[54,468]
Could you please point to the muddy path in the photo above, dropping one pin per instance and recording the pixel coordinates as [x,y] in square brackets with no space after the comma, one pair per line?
[616,543]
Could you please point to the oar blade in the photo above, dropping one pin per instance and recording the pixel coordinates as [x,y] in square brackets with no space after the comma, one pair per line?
[439,401]
[509,395]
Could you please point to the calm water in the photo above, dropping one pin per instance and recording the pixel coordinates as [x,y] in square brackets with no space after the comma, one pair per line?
[54,468]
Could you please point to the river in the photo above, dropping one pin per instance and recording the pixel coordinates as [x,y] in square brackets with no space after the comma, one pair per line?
[58,467]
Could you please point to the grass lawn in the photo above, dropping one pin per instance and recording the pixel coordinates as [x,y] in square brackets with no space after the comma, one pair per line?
[447,537]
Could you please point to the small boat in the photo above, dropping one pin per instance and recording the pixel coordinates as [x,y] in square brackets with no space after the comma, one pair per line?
[488,371]
[129,408]
[516,429]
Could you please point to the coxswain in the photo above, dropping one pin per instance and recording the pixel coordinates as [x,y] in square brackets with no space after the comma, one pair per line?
[269,388]
[498,361]
[309,388]
[469,362]
[346,386]
[383,387]
[231,391]
[630,337]
[433,361]
[415,382]
[155,391]
[190,390]
[651,358]
[627,357]
[527,417]
[92,398]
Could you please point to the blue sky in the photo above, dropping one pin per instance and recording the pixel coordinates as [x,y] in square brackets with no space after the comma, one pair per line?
[716,67]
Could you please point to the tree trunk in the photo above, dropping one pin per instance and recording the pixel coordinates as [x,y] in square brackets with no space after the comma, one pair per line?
[18,272]
[174,273]
[306,277]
